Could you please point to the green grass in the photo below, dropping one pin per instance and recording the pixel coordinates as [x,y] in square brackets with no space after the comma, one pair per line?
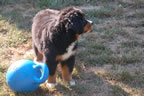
[132,44]
[125,76]
[16,16]
[138,3]
[99,13]
[103,12]
[11,34]
[117,91]
[59,3]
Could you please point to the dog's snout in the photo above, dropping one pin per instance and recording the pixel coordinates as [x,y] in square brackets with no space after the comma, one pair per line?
[90,22]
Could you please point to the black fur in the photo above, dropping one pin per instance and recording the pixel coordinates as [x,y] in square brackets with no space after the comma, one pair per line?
[53,31]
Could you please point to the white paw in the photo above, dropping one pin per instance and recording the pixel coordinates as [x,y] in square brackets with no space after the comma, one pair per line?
[72,83]
[51,85]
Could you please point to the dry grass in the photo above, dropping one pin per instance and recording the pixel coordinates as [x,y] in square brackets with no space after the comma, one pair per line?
[109,61]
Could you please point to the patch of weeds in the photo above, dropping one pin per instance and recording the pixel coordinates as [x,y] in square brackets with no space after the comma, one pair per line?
[143,43]
[125,76]
[92,2]
[13,15]
[26,24]
[77,2]
[30,57]
[101,59]
[91,47]
[130,59]
[59,3]
[94,29]
[138,80]
[130,44]
[76,72]
[110,59]
[124,3]
[139,14]
[98,49]
[99,13]
[13,36]
[118,30]
[104,12]
[81,54]
[5,54]
[111,32]
[131,56]
[123,33]
[81,90]
[141,23]
[138,3]
[44,3]
[3,68]
[140,31]
[100,30]
[118,91]
[16,16]
[83,42]
[4,90]
[5,2]
[97,46]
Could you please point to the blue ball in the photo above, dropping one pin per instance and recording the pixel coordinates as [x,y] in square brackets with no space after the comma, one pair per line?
[26,76]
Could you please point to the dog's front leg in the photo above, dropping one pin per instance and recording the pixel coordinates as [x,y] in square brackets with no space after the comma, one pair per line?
[52,66]
[67,68]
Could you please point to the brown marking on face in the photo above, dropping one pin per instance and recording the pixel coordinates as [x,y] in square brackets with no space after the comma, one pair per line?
[52,78]
[59,58]
[66,74]
[77,36]
[39,57]
[87,27]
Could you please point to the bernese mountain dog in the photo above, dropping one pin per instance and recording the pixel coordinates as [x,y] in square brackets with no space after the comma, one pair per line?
[54,37]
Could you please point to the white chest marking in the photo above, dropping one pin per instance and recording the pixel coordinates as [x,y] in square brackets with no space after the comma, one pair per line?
[69,52]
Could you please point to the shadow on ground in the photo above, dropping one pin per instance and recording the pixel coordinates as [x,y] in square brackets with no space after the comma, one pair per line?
[88,84]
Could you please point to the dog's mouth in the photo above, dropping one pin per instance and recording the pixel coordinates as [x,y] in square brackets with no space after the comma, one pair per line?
[88,26]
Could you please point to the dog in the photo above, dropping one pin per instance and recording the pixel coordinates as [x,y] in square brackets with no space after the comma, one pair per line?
[54,38]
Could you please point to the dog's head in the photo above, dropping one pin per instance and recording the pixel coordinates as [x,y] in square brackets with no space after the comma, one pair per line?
[75,21]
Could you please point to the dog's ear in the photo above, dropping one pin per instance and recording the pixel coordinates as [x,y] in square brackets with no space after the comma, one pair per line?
[71,18]
[74,24]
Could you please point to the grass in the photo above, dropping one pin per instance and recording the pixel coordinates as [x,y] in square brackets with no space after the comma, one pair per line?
[11,35]
[117,91]
[99,13]
[126,77]
[109,59]
[131,44]
[59,3]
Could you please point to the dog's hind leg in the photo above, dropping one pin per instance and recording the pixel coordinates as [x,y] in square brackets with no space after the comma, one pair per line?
[38,56]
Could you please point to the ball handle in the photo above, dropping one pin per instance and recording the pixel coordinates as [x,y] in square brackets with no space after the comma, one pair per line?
[45,73]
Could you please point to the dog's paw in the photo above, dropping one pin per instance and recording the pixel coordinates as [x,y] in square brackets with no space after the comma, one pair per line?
[51,85]
[72,83]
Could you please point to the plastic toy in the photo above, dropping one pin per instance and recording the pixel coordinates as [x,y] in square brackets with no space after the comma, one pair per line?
[26,76]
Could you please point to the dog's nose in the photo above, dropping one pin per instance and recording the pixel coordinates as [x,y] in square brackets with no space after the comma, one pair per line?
[90,22]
